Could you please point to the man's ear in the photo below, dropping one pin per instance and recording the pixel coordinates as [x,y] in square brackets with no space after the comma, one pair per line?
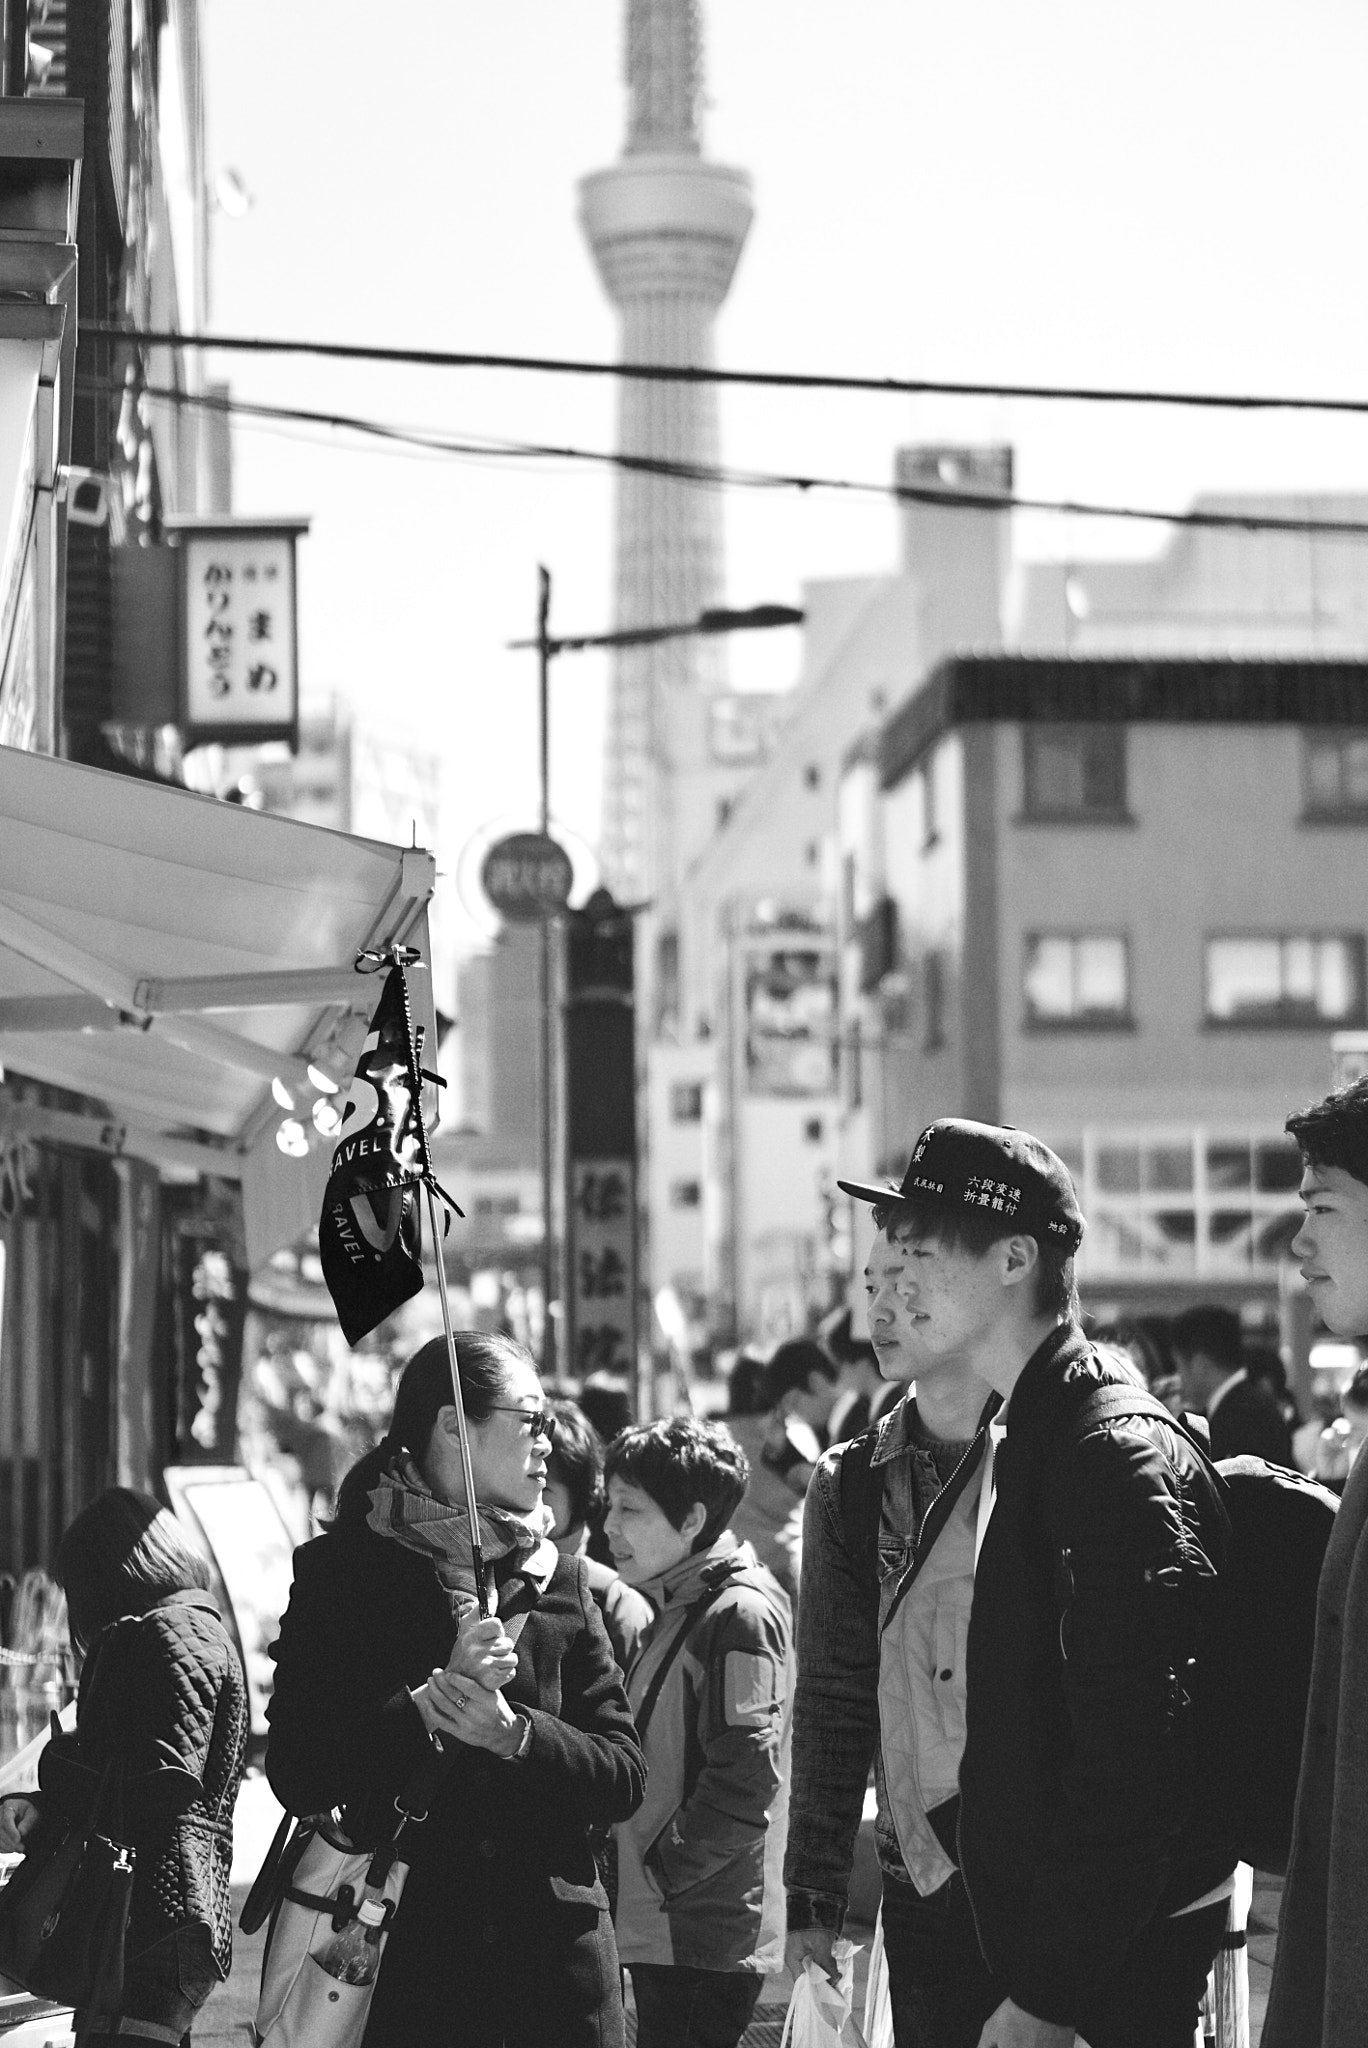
[1021,1256]
[691,1528]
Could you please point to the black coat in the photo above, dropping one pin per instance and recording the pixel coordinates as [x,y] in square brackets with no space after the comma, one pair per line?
[503,1938]
[1096,1587]
[1249,1423]
[159,1689]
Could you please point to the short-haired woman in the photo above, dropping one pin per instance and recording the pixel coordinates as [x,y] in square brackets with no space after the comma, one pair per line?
[574,1496]
[162,1689]
[503,1935]
[700,1910]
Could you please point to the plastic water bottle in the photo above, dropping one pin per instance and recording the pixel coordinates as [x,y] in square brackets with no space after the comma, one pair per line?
[353,1954]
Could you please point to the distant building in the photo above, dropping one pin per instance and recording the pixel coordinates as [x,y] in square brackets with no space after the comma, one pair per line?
[1122,905]
[883,867]
[489,1148]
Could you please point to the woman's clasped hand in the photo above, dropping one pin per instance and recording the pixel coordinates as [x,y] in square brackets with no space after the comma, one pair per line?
[464,1699]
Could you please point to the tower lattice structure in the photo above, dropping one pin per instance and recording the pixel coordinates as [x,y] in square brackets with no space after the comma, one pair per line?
[666,228]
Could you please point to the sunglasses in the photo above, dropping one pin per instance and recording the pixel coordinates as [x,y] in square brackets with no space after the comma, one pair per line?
[539,1423]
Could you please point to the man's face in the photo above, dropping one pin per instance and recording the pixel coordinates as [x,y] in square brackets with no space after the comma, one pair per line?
[1332,1248]
[930,1306]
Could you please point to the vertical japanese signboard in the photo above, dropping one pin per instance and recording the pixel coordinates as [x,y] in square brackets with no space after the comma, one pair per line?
[601,1147]
[209,1312]
[241,680]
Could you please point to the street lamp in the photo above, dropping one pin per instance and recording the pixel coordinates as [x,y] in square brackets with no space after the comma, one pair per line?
[719,619]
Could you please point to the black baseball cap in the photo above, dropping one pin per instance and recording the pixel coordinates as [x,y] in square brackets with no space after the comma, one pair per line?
[991,1170]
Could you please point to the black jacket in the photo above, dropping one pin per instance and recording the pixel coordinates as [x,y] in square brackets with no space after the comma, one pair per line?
[1097,1583]
[503,1919]
[1249,1423]
[159,1689]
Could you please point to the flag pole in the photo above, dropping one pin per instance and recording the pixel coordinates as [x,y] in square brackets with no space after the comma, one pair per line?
[477,1552]
[457,1396]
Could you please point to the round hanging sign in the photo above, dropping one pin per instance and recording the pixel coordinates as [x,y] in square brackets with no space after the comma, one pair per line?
[527,876]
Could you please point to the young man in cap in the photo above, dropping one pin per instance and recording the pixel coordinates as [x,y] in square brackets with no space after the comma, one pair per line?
[1015,1650]
[1319,1996]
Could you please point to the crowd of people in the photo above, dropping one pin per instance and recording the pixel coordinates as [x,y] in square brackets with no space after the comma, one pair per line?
[1013,1568]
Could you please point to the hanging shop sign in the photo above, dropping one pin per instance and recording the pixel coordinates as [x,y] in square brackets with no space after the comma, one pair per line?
[240,668]
[601,1290]
[209,1310]
[527,877]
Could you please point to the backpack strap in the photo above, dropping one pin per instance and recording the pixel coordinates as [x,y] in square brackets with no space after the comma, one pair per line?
[693,1615]
[1113,1403]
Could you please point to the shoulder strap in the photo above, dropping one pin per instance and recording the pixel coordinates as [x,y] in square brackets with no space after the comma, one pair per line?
[862,1505]
[1113,1403]
[937,1515]
[692,1617]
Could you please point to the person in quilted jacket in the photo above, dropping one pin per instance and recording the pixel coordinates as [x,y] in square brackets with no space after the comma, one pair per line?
[162,1689]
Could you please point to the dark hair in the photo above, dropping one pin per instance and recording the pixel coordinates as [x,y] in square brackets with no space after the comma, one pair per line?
[1056,1293]
[576,1460]
[746,1385]
[424,1390]
[680,1462]
[1215,1332]
[1356,1393]
[608,1407]
[792,1365]
[1334,1131]
[120,1556]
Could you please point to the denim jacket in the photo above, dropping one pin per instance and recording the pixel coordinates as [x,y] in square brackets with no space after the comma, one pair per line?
[836,1704]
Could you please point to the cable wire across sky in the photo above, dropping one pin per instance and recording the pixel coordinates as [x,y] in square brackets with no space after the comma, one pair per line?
[716,476]
[684,373]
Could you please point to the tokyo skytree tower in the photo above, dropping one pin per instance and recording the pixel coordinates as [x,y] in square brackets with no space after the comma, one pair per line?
[666,228]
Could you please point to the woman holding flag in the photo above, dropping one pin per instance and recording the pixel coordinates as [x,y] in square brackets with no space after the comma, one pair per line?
[502,1935]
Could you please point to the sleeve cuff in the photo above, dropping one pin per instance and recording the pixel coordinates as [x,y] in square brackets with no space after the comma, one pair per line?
[815,1909]
[515,1756]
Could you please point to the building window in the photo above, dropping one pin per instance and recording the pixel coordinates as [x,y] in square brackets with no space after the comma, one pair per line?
[933,997]
[853,1065]
[686,1194]
[1075,773]
[812,1130]
[1184,1204]
[1289,980]
[812,776]
[1335,775]
[686,1102]
[1077,979]
[926,775]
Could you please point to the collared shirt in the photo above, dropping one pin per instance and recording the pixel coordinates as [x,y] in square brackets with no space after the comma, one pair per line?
[1235,1380]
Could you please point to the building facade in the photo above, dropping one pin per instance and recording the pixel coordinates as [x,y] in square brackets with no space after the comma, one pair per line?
[1121,903]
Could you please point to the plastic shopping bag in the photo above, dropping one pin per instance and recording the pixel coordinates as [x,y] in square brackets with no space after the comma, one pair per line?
[819,2014]
[878,2008]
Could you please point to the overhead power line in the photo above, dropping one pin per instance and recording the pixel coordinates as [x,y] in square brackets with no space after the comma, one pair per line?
[435,442]
[687,373]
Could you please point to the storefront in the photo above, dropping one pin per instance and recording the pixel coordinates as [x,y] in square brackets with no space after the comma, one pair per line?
[178,1006]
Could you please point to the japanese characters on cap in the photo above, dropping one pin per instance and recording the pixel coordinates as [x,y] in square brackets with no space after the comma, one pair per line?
[991,1169]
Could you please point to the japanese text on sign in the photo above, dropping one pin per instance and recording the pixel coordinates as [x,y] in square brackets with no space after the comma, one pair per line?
[602,1278]
[240,630]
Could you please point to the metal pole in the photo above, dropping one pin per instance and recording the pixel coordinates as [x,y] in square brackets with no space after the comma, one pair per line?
[548,1353]
[467,1471]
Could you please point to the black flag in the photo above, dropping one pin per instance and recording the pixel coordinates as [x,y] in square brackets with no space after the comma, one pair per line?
[370,1232]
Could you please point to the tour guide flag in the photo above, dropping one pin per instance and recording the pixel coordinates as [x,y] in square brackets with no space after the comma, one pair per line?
[370,1232]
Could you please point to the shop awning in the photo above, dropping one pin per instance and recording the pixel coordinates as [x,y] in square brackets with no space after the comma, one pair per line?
[172,957]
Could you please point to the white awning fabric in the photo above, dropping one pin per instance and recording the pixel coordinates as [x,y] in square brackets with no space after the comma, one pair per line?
[20,363]
[171,957]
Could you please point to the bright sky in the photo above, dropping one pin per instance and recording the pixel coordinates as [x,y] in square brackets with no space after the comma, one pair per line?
[1167,196]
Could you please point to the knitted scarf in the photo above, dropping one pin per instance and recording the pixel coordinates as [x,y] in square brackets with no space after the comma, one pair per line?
[404,1507]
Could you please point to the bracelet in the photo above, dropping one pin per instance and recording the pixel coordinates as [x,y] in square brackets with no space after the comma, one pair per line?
[515,1756]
